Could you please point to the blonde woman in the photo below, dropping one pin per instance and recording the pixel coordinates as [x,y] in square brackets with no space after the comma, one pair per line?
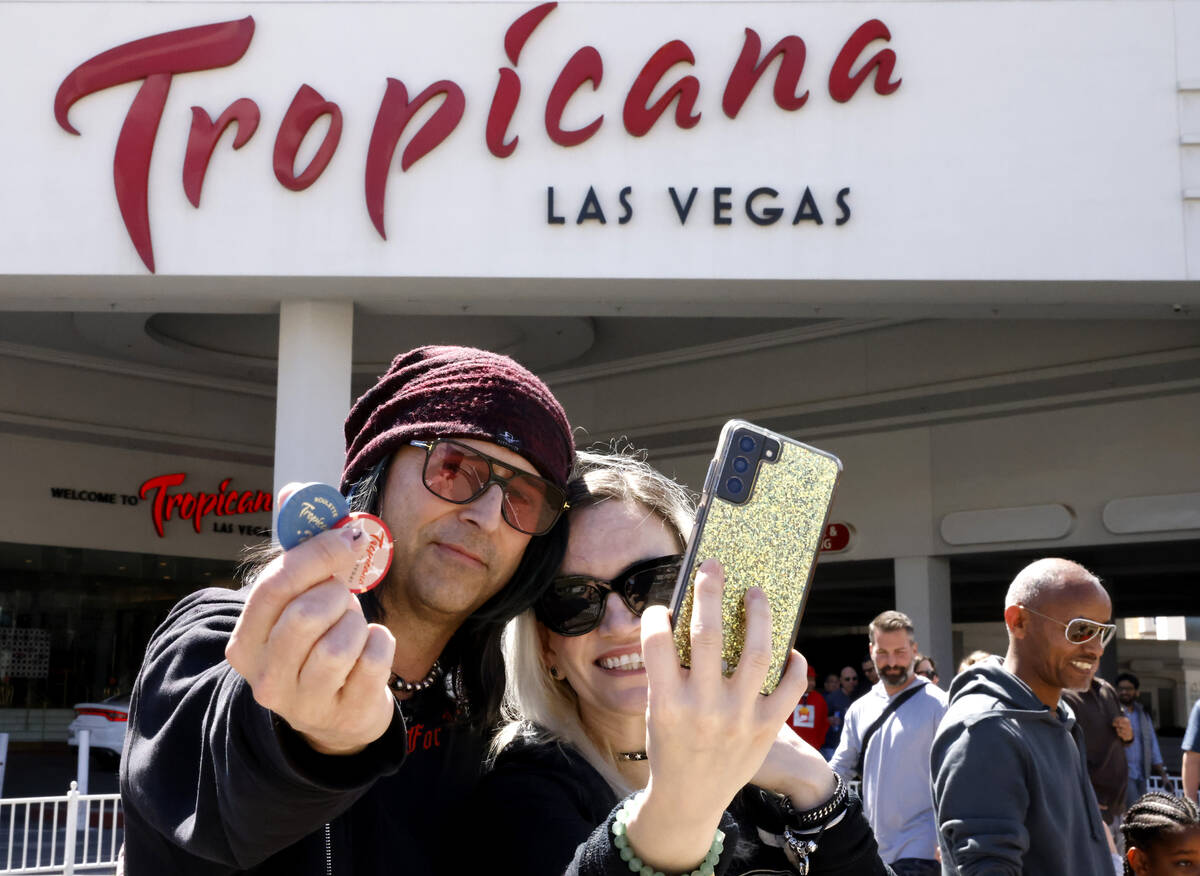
[616,760]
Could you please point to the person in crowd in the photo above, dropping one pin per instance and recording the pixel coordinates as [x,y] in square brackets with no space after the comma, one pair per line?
[1143,754]
[614,758]
[848,682]
[973,658]
[926,668]
[837,704]
[869,676]
[1010,781]
[290,728]
[886,740]
[810,718]
[834,721]
[1162,836]
[1191,754]
[1106,731]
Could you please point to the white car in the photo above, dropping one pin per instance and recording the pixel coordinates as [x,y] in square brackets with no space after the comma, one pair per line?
[106,720]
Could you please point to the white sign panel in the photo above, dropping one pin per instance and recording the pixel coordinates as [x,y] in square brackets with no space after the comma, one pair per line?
[79,495]
[925,141]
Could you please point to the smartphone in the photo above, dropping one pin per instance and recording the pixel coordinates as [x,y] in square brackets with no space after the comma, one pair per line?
[762,513]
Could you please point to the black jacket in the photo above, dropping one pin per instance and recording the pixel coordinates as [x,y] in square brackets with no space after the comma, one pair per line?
[213,783]
[1010,783]
[543,810]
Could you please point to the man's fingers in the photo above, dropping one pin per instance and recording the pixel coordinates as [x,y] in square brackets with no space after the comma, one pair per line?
[289,575]
[705,627]
[274,670]
[371,671]
[333,657]
[285,491]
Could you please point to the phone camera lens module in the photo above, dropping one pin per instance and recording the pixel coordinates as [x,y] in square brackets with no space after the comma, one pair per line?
[740,464]
[747,444]
[734,485]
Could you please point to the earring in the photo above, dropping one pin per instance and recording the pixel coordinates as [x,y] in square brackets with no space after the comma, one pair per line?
[555,674]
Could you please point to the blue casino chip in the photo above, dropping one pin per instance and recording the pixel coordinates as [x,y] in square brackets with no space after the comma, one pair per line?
[311,509]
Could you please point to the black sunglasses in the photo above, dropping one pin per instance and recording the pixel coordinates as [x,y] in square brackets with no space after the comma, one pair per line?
[460,474]
[574,604]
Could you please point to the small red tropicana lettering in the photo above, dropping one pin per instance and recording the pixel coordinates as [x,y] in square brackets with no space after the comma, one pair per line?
[156,60]
[197,506]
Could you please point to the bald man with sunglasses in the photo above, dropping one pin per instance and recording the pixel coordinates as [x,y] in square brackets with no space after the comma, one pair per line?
[1010,780]
[293,729]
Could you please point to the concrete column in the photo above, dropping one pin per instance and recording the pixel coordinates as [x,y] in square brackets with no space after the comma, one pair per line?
[313,390]
[923,593]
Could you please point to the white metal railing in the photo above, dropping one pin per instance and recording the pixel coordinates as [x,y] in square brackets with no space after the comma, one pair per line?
[1155,783]
[78,833]
[89,840]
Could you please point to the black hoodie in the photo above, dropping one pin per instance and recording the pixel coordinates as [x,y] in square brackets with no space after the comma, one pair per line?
[213,784]
[1010,783]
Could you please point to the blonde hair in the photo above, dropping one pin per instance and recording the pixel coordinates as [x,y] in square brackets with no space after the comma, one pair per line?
[973,658]
[535,705]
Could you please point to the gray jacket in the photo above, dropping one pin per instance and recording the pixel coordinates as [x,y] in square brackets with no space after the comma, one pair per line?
[1010,783]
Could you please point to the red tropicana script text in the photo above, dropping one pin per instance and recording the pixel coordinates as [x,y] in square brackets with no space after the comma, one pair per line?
[196,506]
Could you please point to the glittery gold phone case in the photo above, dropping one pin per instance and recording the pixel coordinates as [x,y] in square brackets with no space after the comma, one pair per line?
[762,512]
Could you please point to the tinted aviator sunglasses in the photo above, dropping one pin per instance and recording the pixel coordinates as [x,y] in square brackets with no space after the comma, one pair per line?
[1079,630]
[460,474]
[575,604]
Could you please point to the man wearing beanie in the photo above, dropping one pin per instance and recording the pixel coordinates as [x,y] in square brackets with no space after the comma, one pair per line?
[292,728]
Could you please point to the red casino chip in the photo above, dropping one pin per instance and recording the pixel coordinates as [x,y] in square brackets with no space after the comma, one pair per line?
[375,559]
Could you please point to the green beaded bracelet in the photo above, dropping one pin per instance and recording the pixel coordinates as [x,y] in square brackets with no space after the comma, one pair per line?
[640,867]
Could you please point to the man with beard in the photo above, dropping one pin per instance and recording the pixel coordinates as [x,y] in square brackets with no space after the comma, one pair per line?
[886,739]
[1010,780]
[292,729]
[1143,754]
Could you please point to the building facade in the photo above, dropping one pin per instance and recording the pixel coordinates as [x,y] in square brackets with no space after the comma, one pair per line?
[955,243]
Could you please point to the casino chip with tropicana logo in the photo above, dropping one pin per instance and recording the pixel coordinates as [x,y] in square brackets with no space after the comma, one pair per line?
[315,508]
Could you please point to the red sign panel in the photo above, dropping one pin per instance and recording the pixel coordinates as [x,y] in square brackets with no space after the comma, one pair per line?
[836,538]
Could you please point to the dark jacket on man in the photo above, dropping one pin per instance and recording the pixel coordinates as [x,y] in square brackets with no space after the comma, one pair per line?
[234,790]
[1010,783]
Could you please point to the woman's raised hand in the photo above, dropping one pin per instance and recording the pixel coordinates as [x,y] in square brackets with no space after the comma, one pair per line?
[707,735]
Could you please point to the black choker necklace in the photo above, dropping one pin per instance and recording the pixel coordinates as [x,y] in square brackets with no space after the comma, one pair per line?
[399,685]
[632,755]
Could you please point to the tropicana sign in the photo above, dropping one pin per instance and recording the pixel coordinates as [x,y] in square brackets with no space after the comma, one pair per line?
[155,60]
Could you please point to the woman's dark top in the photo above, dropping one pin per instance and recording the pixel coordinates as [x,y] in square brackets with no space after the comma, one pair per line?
[543,811]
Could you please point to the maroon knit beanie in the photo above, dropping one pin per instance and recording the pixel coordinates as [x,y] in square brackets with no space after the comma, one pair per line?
[461,392]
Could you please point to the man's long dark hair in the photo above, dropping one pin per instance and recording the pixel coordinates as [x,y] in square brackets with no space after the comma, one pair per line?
[472,658]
